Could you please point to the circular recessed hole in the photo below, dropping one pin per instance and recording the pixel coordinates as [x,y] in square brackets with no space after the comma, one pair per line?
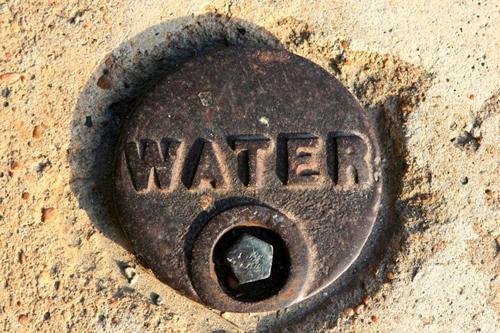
[249,248]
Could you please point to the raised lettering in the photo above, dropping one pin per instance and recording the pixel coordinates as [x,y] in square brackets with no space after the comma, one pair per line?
[150,163]
[302,159]
[298,159]
[347,159]
[251,152]
[203,167]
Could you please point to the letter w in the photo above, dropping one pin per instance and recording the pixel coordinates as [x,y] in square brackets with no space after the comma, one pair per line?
[150,163]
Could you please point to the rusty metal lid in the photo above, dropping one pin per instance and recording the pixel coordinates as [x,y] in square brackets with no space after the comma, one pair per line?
[248,179]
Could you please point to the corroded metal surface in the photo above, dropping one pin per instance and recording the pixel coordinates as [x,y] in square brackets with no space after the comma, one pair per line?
[243,137]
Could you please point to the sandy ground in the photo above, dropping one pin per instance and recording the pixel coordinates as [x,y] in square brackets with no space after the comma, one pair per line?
[429,68]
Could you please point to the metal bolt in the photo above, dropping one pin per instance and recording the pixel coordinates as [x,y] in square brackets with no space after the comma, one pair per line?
[250,258]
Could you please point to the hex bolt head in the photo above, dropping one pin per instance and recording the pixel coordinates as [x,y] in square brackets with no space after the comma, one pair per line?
[250,259]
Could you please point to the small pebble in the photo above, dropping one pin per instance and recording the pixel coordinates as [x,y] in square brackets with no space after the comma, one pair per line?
[464,180]
[104,83]
[15,166]
[367,300]
[348,312]
[264,121]
[43,165]
[25,195]
[466,140]
[375,319]
[23,319]
[156,299]
[359,308]
[476,132]
[5,92]
[37,132]
[133,280]
[21,256]
[48,214]
[130,274]
[44,278]
[391,276]
[10,77]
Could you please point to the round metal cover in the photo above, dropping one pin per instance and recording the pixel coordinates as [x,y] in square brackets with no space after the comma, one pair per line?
[241,138]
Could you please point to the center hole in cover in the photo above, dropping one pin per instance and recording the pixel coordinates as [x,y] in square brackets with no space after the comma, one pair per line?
[251,263]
